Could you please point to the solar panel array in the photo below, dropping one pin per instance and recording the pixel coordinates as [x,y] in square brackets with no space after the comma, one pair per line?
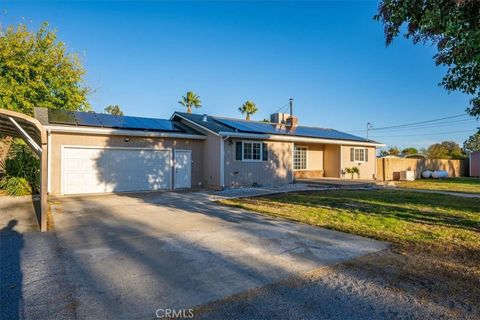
[272,128]
[102,120]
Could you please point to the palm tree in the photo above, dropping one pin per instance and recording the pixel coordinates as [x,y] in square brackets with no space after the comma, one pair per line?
[190,100]
[248,108]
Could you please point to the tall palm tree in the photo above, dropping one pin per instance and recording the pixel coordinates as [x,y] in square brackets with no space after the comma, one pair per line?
[248,108]
[190,100]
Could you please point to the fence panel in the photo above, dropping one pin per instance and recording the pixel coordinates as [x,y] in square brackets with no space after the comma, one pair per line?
[389,168]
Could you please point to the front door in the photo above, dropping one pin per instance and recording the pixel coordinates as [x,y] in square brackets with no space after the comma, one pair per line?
[183,169]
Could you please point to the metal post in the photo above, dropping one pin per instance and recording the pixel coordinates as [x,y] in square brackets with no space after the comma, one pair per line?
[291,107]
[43,187]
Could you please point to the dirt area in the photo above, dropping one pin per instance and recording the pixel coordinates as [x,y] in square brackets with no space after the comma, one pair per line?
[384,285]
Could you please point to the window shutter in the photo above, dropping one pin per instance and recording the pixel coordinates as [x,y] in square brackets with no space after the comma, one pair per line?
[238,150]
[366,155]
[352,154]
[264,152]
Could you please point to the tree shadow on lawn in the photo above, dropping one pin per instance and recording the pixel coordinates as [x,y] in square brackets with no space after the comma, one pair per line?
[391,205]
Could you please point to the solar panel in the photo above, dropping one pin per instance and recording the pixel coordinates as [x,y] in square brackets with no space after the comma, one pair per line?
[269,128]
[133,123]
[110,121]
[87,119]
[158,124]
[257,127]
[166,125]
[61,117]
[92,119]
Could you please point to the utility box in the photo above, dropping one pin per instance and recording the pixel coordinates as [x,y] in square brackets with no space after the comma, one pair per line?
[407,175]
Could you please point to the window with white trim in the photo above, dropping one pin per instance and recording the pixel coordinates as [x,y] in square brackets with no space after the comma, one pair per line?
[300,158]
[252,151]
[358,154]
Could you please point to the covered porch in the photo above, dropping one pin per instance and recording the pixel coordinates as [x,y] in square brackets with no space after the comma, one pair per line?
[314,161]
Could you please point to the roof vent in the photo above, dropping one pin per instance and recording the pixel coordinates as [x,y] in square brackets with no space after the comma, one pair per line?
[204,119]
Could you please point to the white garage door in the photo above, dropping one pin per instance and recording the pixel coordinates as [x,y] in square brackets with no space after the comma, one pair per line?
[96,170]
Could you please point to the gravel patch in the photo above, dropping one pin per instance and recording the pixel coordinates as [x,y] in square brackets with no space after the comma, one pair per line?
[378,286]
[261,191]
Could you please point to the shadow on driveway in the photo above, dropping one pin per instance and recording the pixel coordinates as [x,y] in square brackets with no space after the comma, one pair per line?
[11,276]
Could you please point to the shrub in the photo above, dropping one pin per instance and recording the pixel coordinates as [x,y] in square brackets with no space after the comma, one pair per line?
[22,167]
[352,171]
[15,186]
[357,171]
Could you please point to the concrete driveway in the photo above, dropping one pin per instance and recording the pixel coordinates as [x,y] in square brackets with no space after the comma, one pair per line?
[128,255]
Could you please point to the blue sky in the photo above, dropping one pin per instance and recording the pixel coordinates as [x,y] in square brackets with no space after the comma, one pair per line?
[329,56]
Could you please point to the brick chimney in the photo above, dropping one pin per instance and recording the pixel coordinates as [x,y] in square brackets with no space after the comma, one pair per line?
[292,122]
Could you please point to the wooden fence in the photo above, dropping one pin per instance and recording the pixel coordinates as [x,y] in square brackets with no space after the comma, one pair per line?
[389,168]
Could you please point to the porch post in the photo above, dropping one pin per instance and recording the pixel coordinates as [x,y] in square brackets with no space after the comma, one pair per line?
[43,187]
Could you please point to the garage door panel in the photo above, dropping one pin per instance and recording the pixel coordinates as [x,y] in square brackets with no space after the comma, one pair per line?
[95,170]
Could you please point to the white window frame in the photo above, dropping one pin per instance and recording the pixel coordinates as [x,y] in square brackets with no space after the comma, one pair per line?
[354,155]
[252,143]
[306,158]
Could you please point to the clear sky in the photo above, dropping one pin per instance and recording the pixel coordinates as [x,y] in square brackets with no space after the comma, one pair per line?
[329,56]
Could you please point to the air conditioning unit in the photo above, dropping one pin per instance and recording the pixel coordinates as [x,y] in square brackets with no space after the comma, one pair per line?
[407,175]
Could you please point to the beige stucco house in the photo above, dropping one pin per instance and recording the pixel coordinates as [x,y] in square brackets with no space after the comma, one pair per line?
[97,153]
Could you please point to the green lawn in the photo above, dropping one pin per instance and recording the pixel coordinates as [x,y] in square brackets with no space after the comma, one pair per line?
[468,185]
[435,239]
[406,219]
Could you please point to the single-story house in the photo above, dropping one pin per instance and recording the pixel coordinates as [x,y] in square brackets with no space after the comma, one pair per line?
[97,153]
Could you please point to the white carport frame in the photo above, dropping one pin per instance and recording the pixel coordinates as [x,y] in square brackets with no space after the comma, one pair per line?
[31,130]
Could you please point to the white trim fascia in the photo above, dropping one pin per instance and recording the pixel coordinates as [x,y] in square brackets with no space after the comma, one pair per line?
[194,123]
[298,139]
[122,132]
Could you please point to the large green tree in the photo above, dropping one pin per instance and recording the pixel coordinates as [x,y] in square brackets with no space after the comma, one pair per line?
[114,110]
[248,108]
[472,143]
[445,150]
[190,100]
[394,151]
[36,70]
[410,150]
[453,26]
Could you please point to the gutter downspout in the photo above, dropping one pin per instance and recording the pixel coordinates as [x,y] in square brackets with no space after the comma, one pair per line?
[222,161]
